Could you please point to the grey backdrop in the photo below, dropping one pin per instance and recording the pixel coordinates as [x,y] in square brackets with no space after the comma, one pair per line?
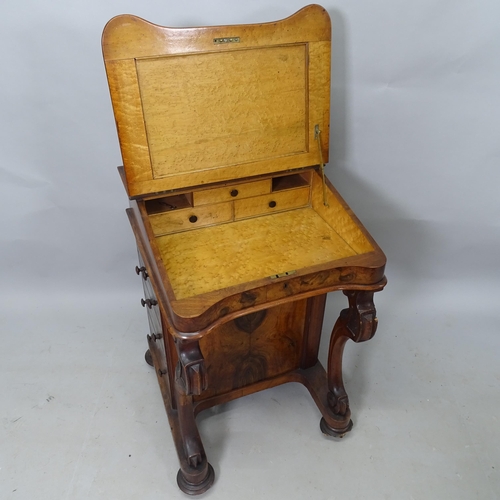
[415,150]
[415,125]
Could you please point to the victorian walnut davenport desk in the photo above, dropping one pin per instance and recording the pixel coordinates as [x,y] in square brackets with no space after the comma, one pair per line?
[224,132]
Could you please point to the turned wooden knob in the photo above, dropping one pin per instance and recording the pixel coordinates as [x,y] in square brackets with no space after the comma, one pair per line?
[234,193]
[272,204]
[148,302]
[141,270]
[155,336]
[193,219]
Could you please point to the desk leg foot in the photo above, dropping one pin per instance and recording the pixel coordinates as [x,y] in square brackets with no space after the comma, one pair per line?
[196,488]
[337,433]
[196,475]
[358,323]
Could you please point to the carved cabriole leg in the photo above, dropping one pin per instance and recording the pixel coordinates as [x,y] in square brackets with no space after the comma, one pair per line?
[358,323]
[196,475]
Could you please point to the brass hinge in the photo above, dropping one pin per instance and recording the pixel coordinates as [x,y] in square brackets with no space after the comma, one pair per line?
[317,133]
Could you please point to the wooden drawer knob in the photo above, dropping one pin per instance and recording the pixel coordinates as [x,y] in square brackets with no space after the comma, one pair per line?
[234,193]
[141,270]
[272,204]
[148,302]
[154,337]
[193,219]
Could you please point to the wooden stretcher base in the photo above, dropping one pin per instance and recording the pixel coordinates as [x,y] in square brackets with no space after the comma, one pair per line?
[182,375]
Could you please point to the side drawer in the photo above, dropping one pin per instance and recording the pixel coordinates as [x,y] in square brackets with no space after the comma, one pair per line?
[231,192]
[149,302]
[190,218]
[154,315]
[269,203]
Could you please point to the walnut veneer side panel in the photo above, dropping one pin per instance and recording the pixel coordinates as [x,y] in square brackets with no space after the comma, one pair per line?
[254,347]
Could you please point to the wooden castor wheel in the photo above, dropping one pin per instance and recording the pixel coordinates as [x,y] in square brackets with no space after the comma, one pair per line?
[329,431]
[199,488]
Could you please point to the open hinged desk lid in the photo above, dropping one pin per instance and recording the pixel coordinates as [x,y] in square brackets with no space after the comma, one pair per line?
[201,105]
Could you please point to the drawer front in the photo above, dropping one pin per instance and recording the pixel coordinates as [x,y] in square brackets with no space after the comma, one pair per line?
[191,218]
[274,202]
[154,321]
[154,315]
[234,192]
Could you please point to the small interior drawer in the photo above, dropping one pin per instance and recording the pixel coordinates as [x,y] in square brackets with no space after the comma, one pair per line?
[273,202]
[190,218]
[231,192]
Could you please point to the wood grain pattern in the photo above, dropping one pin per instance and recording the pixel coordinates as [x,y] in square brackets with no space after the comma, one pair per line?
[210,110]
[125,94]
[227,255]
[359,323]
[227,193]
[271,203]
[319,101]
[246,109]
[339,217]
[197,316]
[127,36]
[238,358]
[190,218]
[312,330]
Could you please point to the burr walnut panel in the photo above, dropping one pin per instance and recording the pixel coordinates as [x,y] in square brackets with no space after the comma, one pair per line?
[258,346]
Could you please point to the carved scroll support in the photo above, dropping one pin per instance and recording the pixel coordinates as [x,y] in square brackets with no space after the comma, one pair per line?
[196,475]
[190,373]
[358,323]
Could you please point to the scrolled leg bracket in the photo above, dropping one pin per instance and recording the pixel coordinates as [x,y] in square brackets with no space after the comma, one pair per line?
[358,323]
[196,475]
[190,373]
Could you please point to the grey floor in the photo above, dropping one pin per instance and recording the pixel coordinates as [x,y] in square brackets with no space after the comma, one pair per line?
[82,416]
